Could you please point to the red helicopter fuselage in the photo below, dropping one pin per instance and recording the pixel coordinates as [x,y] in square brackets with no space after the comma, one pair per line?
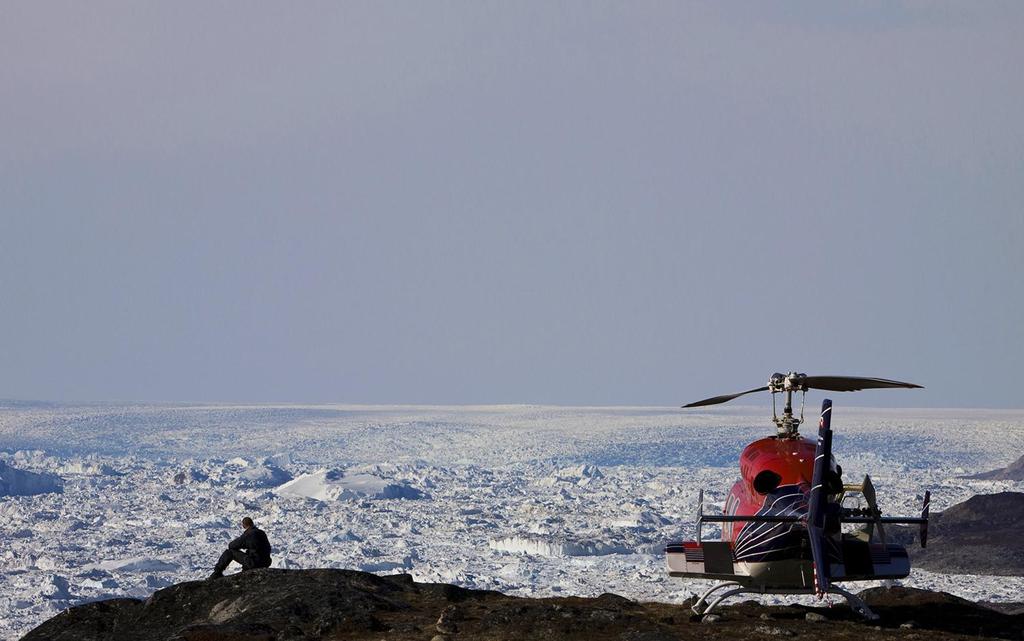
[765,466]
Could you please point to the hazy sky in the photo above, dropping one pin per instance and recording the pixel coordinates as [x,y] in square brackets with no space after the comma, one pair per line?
[531,202]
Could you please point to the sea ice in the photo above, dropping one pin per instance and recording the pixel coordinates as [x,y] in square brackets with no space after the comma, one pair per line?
[544,546]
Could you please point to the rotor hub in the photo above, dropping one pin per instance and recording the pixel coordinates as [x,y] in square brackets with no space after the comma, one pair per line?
[792,382]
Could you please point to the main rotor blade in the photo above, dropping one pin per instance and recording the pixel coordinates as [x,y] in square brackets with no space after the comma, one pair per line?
[851,383]
[715,400]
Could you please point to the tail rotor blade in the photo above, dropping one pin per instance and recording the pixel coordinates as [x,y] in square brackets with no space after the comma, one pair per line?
[700,514]
[924,515]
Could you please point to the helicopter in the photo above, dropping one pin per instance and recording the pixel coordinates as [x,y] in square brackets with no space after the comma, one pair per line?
[782,522]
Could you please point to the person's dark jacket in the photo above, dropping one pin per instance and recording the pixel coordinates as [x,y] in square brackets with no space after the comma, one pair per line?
[254,542]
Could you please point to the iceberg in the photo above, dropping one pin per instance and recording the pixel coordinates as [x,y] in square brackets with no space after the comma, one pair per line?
[15,482]
[335,485]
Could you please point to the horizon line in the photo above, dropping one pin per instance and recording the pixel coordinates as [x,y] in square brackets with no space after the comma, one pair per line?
[316,404]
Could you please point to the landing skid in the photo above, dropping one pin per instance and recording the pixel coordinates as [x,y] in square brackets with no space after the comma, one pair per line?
[732,588]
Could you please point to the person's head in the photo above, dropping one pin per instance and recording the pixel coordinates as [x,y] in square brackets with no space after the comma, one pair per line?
[247,523]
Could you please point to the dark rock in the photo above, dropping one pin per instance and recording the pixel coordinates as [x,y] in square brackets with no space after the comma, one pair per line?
[314,601]
[930,610]
[231,632]
[610,598]
[649,635]
[446,622]
[92,621]
[291,633]
[1005,608]
[400,579]
[911,597]
[604,615]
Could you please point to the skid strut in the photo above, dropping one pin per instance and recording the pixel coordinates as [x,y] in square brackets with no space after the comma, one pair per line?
[705,604]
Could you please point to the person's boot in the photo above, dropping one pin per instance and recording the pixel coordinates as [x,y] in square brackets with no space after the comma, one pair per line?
[217,574]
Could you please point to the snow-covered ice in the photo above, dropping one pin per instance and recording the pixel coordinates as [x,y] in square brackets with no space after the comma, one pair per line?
[528,500]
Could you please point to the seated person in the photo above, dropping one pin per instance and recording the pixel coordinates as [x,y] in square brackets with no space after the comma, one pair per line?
[250,550]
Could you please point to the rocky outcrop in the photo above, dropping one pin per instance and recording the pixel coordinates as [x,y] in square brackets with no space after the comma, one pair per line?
[279,605]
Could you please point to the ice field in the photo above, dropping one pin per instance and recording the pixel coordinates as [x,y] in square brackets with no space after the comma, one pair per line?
[527,500]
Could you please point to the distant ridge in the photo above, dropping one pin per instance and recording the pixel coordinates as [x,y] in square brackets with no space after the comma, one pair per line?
[1012,472]
[979,536]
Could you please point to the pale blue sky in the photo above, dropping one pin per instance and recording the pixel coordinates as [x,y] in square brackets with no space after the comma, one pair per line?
[476,202]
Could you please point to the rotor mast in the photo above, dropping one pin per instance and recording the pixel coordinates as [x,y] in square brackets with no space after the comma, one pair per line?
[787,424]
